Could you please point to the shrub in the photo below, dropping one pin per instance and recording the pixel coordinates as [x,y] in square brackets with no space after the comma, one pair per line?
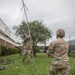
[36,48]
[20,50]
[12,51]
[72,54]
[0,49]
[4,50]
[9,51]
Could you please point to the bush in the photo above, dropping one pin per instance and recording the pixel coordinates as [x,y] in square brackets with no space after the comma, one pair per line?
[20,50]
[9,51]
[4,50]
[12,51]
[36,48]
[0,49]
[72,54]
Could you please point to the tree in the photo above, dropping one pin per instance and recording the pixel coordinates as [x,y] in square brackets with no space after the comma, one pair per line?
[40,33]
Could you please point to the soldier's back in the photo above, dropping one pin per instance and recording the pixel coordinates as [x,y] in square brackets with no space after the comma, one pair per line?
[60,51]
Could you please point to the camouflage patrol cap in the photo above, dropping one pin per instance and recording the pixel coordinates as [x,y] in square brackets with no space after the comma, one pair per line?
[60,33]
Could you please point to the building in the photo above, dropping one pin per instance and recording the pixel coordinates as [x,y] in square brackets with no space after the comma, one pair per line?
[7,38]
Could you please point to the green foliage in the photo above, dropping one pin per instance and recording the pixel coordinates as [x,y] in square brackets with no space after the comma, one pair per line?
[4,50]
[36,48]
[0,49]
[20,50]
[40,33]
[9,51]
[72,53]
[13,50]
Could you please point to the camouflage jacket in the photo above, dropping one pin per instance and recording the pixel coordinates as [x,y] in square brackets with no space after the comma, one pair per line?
[27,44]
[59,49]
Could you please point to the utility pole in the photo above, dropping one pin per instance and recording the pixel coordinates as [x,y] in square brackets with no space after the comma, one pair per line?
[69,39]
[24,6]
[69,45]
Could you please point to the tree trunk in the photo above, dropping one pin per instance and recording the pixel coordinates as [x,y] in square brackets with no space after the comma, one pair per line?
[34,51]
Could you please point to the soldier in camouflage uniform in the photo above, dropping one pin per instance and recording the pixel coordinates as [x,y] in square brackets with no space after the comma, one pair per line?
[26,53]
[58,50]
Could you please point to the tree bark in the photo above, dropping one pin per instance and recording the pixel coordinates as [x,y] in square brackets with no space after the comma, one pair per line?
[34,51]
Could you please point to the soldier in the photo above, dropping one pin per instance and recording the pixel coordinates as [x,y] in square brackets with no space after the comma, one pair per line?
[26,53]
[58,50]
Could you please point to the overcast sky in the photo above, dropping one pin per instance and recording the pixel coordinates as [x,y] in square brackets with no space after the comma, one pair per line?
[55,14]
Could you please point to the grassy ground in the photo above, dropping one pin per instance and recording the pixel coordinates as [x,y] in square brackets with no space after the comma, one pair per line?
[42,64]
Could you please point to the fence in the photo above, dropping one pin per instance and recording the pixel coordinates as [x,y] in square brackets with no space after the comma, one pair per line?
[72,50]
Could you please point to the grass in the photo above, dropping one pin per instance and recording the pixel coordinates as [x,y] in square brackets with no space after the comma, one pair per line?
[42,65]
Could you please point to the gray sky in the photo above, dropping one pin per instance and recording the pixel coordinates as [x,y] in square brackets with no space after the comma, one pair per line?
[54,14]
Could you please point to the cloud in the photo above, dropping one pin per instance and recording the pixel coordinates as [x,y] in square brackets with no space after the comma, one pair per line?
[54,13]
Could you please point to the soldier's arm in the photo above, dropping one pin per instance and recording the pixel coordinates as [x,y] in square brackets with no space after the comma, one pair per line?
[50,50]
[65,50]
[61,53]
[50,54]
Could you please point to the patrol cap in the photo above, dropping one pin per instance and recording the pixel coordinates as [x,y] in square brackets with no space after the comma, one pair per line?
[60,33]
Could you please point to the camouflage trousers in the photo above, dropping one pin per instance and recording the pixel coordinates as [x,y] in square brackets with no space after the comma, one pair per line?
[54,70]
[26,54]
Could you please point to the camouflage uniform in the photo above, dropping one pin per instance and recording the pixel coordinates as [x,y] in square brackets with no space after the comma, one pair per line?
[58,50]
[26,53]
